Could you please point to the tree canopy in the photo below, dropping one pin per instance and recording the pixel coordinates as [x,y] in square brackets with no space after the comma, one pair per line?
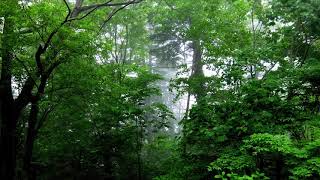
[95,89]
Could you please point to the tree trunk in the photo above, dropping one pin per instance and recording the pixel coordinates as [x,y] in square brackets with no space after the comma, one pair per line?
[7,139]
[197,72]
[279,170]
[8,113]
[31,134]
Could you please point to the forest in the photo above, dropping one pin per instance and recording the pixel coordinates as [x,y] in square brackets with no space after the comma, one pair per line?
[160,89]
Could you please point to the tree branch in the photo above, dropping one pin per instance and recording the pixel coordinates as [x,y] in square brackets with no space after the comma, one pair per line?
[69,10]
[94,7]
[108,4]
[111,14]
[269,70]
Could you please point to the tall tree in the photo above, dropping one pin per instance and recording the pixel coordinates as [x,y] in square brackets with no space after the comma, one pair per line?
[10,107]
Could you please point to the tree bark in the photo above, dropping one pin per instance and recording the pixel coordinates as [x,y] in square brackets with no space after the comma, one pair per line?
[197,72]
[8,113]
[31,133]
[8,139]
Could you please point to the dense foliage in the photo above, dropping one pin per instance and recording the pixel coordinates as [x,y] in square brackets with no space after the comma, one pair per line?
[80,97]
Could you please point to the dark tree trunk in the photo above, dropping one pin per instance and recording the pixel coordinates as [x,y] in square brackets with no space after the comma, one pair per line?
[196,60]
[8,113]
[31,134]
[197,72]
[279,170]
[7,139]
